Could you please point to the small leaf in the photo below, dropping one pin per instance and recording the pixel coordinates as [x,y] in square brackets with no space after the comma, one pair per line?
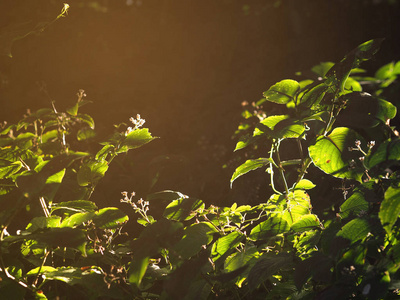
[135,139]
[304,184]
[390,208]
[10,169]
[282,92]
[73,111]
[77,219]
[248,166]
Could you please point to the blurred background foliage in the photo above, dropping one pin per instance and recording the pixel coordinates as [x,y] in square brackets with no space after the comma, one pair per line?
[185,66]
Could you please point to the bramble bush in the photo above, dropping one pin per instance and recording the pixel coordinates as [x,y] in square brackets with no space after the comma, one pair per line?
[55,241]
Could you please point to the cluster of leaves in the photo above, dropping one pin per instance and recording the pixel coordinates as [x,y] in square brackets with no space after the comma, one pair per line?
[278,249]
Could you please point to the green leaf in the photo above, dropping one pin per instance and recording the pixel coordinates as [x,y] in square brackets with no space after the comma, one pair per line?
[226,244]
[135,139]
[385,72]
[248,166]
[195,237]
[305,223]
[282,92]
[40,270]
[304,184]
[331,154]
[274,225]
[137,269]
[354,205]
[352,85]
[104,152]
[387,151]
[322,68]
[73,111]
[85,134]
[91,172]
[314,96]
[10,169]
[77,219]
[390,208]
[279,127]
[86,119]
[110,217]
[75,206]
[268,265]
[364,111]
[355,230]
[183,209]
[339,73]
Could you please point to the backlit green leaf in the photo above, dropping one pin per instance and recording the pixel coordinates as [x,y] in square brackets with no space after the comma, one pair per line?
[183,209]
[135,139]
[355,230]
[110,217]
[305,223]
[250,165]
[354,205]
[390,208]
[331,154]
[282,92]
[274,225]
[195,237]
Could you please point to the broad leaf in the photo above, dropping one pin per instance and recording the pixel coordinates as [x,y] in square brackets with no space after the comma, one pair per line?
[282,92]
[274,225]
[195,237]
[248,166]
[305,223]
[109,218]
[91,172]
[226,244]
[332,155]
[355,230]
[390,208]
[364,111]
[387,151]
[354,205]
[183,209]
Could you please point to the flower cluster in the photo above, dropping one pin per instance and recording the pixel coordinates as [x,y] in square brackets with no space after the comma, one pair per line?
[138,122]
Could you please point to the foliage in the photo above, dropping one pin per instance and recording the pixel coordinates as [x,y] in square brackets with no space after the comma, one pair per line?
[277,249]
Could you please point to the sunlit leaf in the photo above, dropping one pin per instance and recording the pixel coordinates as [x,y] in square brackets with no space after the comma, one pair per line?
[136,139]
[355,230]
[331,154]
[305,184]
[91,172]
[110,217]
[250,165]
[305,223]
[387,151]
[195,237]
[274,225]
[183,209]
[390,208]
[354,205]
[224,245]
[282,92]
[75,206]
[77,219]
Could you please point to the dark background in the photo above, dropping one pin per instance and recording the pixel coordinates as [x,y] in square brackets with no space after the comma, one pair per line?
[185,66]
